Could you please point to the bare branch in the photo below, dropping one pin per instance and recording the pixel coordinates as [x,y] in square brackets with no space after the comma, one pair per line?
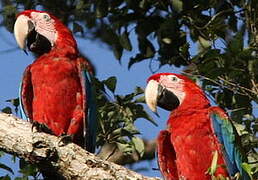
[67,160]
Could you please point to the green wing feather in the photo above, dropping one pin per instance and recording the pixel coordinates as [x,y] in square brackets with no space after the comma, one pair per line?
[230,141]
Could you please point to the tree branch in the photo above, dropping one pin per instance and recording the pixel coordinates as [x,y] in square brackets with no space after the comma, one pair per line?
[49,153]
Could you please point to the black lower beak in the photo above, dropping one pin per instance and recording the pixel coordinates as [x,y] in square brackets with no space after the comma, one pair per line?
[167,99]
[37,43]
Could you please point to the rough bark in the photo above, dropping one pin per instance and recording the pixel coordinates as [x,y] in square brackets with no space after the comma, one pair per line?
[51,154]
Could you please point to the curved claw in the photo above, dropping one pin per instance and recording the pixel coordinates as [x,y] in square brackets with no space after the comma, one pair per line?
[65,139]
[40,127]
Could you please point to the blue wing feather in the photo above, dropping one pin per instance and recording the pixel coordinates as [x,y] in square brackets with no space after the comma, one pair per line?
[227,136]
[22,111]
[90,133]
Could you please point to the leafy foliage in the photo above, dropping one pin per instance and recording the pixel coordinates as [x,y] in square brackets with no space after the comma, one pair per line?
[226,60]
[26,170]
[117,114]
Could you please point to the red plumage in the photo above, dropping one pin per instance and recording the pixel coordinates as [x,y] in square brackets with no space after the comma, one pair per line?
[194,142]
[53,89]
[186,148]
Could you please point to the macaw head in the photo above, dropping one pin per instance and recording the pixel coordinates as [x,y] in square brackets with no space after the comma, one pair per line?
[42,32]
[173,91]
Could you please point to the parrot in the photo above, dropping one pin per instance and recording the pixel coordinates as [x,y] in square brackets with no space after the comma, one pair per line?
[57,94]
[200,141]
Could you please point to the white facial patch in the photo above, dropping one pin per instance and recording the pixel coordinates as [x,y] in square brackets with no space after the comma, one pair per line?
[45,26]
[173,84]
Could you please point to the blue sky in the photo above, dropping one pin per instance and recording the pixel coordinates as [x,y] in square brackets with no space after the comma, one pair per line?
[14,61]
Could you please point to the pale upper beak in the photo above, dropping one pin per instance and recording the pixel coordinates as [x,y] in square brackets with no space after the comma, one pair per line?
[22,28]
[151,94]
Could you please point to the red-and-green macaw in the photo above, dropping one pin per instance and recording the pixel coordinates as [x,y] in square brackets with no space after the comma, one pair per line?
[56,92]
[200,142]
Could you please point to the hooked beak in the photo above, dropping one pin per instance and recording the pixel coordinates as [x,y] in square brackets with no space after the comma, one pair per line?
[151,93]
[157,95]
[22,27]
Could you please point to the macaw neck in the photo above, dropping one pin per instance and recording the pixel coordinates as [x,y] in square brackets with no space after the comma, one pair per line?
[62,49]
[65,43]
[65,49]
[192,103]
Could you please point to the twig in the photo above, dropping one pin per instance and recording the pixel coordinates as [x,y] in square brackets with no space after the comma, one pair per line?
[236,87]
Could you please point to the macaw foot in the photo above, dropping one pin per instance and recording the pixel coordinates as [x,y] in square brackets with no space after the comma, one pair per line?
[40,127]
[65,139]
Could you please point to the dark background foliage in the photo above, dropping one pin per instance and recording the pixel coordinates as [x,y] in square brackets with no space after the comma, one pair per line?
[225,63]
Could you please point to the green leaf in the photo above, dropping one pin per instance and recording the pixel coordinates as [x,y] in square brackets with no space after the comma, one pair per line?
[177,5]
[147,26]
[125,148]
[236,44]
[77,28]
[7,177]
[3,166]
[143,4]
[138,90]
[125,41]
[139,145]
[7,110]
[15,102]
[27,169]
[141,113]
[150,51]
[140,99]
[9,13]
[111,83]
[232,22]
[129,130]
[247,169]
[145,115]
[117,131]
[146,48]
[80,6]
[128,112]
[101,8]
[204,43]
[118,51]
[137,58]
[128,97]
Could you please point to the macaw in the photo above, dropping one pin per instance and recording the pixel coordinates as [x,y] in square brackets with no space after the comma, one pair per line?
[56,92]
[200,142]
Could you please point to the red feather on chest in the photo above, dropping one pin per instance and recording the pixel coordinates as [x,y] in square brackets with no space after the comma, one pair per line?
[194,142]
[57,93]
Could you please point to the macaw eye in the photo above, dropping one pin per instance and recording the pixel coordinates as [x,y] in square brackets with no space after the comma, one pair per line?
[46,17]
[173,78]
